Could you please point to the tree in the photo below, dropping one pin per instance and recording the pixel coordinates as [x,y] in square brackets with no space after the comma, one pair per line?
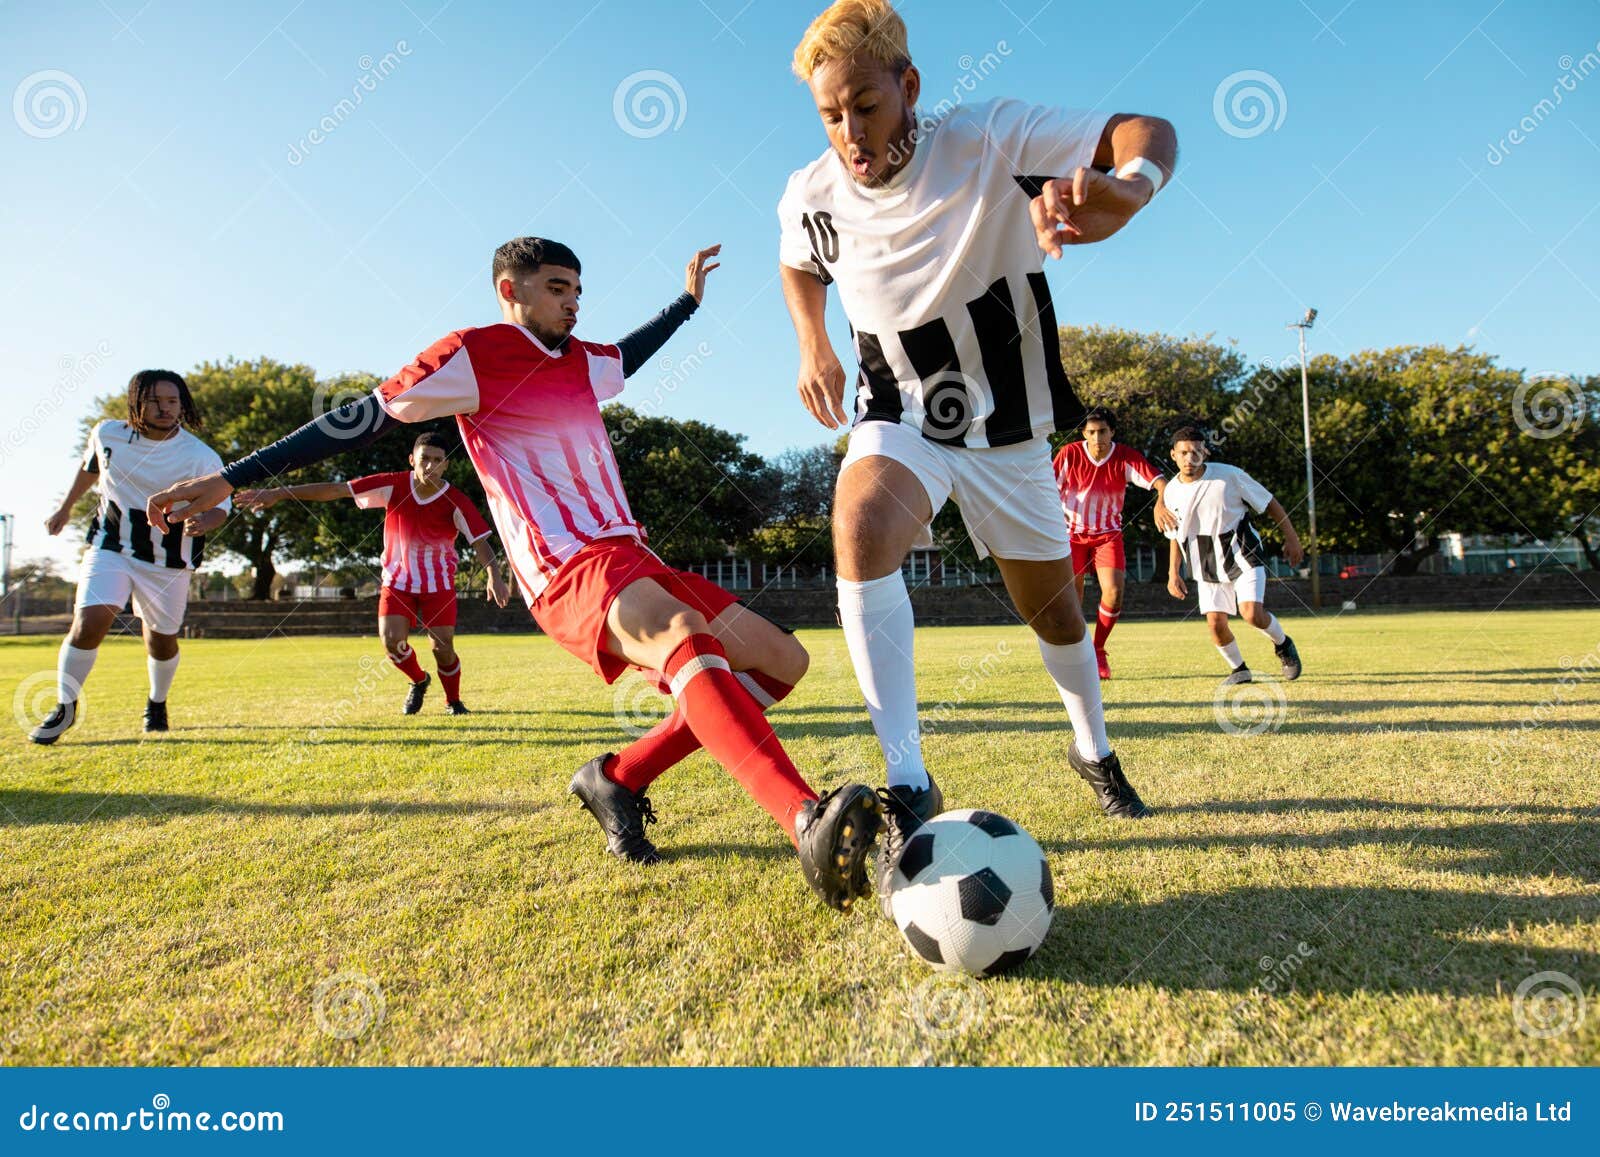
[797,514]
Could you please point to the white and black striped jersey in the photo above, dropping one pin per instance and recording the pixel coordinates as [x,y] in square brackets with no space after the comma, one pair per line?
[132,467]
[941,276]
[1219,543]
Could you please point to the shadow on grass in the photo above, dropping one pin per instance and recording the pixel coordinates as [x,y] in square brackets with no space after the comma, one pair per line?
[18,807]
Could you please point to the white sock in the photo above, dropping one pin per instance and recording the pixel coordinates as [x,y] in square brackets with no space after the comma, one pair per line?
[72,668]
[1273,631]
[1231,654]
[1077,678]
[880,631]
[161,673]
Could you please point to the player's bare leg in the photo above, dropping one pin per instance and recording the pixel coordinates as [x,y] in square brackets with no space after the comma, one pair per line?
[650,628]
[90,626]
[1045,595]
[1263,620]
[1111,580]
[395,631]
[161,653]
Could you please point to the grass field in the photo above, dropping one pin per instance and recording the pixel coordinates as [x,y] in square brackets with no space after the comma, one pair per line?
[298,875]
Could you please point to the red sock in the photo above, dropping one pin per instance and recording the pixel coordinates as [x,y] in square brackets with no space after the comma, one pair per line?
[729,723]
[672,741]
[451,680]
[1104,621]
[407,662]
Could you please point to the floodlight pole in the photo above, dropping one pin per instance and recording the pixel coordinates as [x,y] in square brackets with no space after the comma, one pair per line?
[1302,325]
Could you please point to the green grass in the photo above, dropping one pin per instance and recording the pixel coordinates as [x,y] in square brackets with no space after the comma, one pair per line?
[179,900]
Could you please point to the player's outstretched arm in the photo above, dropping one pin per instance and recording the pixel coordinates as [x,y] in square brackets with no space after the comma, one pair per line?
[821,381]
[641,345]
[269,496]
[1292,549]
[81,484]
[350,427]
[1090,205]
[1176,587]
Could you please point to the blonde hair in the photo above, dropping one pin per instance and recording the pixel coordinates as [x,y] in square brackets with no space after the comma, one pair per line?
[853,28]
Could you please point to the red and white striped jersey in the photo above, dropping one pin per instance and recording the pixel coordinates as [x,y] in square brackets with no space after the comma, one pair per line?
[1092,493]
[530,420]
[419,534]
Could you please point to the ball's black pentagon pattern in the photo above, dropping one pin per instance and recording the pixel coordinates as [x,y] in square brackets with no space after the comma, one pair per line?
[995,825]
[916,855]
[984,897]
[1006,961]
[924,945]
[1047,886]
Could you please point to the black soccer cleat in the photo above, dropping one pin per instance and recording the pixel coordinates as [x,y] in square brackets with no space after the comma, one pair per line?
[834,834]
[155,715]
[905,809]
[415,694]
[1240,674]
[56,723]
[1289,656]
[456,707]
[621,814]
[1117,797]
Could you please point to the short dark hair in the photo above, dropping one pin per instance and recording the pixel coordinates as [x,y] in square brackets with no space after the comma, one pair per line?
[431,438]
[139,388]
[526,254]
[1098,414]
[1189,434]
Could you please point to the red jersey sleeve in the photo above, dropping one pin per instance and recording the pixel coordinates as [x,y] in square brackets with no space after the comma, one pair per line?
[605,370]
[438,384]
[1141,472]
[376,491]
[468,520]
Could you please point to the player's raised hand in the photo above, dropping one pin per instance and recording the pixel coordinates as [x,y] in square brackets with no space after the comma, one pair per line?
[498,591]
[1090,207]
[694,277]
[187,499]
[1176,587]
[822,386]
[258,499]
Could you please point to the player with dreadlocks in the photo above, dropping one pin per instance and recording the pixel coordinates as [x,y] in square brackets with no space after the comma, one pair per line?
[126,557]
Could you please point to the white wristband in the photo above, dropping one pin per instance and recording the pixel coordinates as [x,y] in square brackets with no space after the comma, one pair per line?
[1140,167]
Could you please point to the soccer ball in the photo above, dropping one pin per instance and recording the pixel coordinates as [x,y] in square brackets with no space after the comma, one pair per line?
[972,893]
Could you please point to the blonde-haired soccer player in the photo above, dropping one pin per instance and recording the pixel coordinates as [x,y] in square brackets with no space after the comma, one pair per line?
[934,230]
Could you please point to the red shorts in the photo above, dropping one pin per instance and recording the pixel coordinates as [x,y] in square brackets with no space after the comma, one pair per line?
[427,608]
[1097,551]
[573,608]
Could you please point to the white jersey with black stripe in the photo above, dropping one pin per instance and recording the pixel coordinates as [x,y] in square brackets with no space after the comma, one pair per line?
[132,467]
[1213,521]
[941,276]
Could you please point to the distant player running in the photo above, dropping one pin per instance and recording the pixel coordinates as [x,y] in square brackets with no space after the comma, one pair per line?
[1093,476]
[1224,552]
[423,514]
[526,395]
[127,558]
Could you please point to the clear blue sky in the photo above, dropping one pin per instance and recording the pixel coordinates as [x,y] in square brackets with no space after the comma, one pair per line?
[180,212]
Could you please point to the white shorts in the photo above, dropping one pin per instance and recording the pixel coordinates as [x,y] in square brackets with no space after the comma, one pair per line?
[1249,587]
[1007,495]
[160,593]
